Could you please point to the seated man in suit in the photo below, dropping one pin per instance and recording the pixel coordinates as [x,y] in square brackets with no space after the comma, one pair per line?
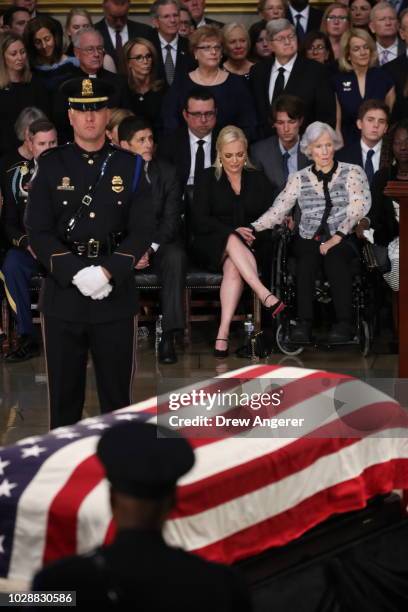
[21,263]
[286,72]
[384,25]
[165,256]
[373,119]
[197,8]
[304,17]
[89,50]
[280,155]
[117,29]
[398,69]
[191,148]
[172,50]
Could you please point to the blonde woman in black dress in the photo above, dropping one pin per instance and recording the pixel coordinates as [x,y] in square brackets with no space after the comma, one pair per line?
[227,198]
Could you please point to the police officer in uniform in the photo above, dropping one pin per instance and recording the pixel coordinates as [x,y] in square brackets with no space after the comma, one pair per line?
[143,465]
[88,220]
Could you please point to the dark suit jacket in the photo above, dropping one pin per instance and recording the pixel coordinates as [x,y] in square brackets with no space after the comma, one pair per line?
[184,60]
[351,154]
[309,80]
[398,70]
[135,30]
[119,99]
[314,21]
[175,148]
[267,156]
[166,195]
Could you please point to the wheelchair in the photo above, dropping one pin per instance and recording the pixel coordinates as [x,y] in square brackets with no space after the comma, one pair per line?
[284,287]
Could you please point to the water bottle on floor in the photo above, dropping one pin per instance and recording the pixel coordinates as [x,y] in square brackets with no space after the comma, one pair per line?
[249,327]
[159,331]
[142,332]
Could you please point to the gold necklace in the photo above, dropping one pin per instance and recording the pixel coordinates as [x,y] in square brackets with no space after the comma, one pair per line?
[214,79]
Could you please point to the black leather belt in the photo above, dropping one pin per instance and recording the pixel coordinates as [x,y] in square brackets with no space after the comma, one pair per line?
[95,248]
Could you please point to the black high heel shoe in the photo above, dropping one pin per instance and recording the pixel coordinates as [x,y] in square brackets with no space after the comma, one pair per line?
[221,354]
[276,308]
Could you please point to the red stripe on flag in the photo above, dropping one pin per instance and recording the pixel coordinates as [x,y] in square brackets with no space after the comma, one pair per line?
[61,536]
[287,526]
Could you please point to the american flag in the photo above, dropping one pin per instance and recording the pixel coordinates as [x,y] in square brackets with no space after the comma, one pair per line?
[245,493]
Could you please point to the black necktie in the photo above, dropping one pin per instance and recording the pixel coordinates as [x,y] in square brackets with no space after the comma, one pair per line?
[279,84]
[300,33]
[118,42]
[368,166]
[199,160]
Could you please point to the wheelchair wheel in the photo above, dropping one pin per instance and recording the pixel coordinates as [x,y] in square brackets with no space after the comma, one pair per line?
[283,344]
[365,339]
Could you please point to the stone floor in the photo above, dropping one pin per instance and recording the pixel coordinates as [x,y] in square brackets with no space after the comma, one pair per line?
[23,387]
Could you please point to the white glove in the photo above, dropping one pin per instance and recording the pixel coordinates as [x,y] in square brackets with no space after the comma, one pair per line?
[90,280]
[102,293]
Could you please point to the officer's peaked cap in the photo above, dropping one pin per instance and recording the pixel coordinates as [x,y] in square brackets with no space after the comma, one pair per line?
[144,460]
[87,94]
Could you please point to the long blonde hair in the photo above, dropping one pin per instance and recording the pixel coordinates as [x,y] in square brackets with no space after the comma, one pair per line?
[155,83]
[228,134]
[5,41]
[344,61]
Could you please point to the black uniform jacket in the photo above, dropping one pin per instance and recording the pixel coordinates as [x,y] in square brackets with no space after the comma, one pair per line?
[63,179]
[141,569]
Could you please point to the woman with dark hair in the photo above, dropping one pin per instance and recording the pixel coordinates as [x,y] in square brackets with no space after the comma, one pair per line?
[43,37]
[259,47]
[235,105]
[360,13]
[316,46]
[18,89]
[146,90]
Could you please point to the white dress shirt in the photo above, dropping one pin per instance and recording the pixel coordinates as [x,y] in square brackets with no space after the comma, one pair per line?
[377,154]
[173,44]
[392,52]
[293,159]
[124,34]
[305,17]
[193,150]
[274,74]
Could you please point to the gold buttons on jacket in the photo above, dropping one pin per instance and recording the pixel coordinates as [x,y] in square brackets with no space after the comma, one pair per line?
[92,215]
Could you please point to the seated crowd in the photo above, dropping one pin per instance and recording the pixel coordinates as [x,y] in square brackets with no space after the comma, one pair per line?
[236,128]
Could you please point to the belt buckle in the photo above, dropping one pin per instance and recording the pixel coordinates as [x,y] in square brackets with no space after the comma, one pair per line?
[87,199]
[93,248]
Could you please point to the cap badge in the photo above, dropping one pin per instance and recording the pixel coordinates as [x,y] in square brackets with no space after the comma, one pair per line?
[117,184]
[87,89]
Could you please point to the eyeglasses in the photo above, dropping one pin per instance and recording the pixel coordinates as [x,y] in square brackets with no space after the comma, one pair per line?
[317,48]
[90,50]
[282,39]
[209,48]
[141,58]
[206,115]
[336,18]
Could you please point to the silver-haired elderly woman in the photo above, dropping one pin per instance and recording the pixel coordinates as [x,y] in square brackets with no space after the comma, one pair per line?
[332,197]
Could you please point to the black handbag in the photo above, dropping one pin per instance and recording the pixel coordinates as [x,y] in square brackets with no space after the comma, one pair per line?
[376,257]
[255,347]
